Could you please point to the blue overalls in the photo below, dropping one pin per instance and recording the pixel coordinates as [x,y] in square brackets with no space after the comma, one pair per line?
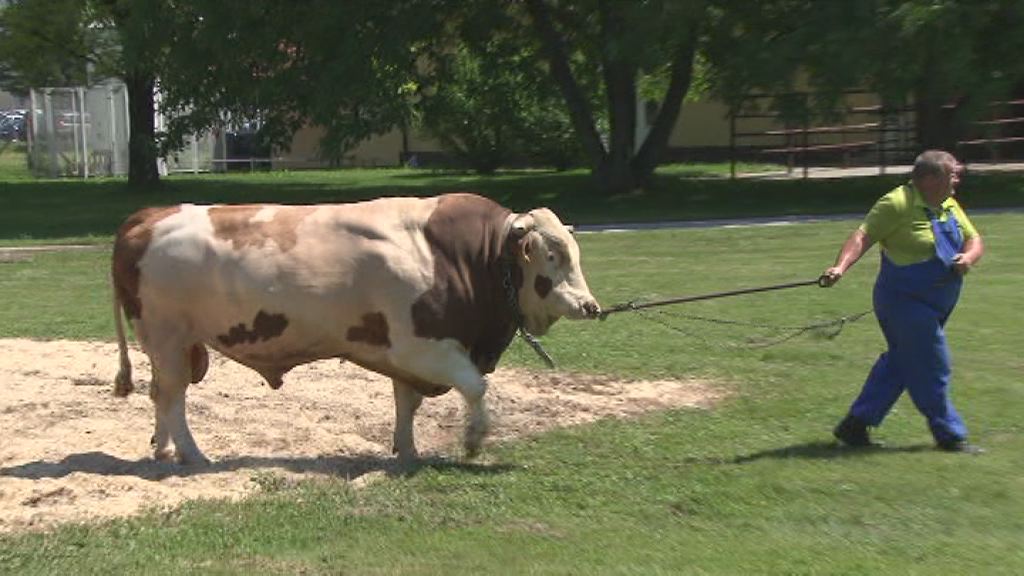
[912,304]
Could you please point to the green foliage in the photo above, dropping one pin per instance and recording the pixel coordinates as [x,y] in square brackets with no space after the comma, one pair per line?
[493,106]
[474,110]
[50,43]
[343,66]
[77,42]
[930,52]
[13,162]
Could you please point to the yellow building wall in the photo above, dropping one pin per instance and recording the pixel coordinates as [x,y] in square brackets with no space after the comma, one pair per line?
[701,124]
[383,150]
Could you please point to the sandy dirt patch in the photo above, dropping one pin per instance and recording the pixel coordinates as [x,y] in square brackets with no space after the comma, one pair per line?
[71,452]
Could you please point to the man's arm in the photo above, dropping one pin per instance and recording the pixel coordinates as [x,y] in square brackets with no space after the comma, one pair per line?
[974,249]
[855,246]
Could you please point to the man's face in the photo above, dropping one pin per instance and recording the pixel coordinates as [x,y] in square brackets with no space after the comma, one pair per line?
[954,170]
[944,185]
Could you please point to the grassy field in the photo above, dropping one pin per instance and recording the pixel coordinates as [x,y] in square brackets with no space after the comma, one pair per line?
[12,162]
[71,210]
[755,486]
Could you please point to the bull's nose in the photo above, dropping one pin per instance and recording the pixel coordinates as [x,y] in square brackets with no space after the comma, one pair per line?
[592,308]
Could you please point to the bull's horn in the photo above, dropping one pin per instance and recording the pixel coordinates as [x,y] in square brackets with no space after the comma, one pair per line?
[522,224]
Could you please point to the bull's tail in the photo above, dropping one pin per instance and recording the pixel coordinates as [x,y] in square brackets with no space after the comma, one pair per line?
[123,381]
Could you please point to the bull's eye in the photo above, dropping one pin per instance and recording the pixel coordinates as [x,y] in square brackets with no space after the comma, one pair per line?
[551,256]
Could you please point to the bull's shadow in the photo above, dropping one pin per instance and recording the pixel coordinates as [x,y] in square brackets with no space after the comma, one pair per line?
[339,466]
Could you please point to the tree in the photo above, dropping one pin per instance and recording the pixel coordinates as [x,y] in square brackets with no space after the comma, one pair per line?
[624,41]
[356,68]
[950,57]
[74,42]
[490,104]
[344,66]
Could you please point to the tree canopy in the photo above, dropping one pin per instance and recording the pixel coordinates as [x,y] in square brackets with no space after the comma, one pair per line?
[950,58]
[491,80]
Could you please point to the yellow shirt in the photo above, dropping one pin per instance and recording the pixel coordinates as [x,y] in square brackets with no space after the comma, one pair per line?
[899,223]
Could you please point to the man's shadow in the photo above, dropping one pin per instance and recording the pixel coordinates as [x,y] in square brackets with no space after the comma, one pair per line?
[338,465]
[820,450]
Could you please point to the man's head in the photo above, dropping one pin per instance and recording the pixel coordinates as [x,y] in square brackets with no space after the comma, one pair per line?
[936,174]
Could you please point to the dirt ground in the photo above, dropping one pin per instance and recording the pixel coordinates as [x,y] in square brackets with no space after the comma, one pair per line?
[71,452]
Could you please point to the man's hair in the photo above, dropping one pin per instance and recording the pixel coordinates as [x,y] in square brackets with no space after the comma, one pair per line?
[931,163]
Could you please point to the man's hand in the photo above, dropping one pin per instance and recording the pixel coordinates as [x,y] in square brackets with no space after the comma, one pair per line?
[830,276]
[962,264]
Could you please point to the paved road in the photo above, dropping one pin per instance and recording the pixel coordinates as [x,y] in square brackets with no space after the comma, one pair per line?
[745,222]
[833,172]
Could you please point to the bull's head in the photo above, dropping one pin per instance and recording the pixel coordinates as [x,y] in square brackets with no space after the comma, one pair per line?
[553,282]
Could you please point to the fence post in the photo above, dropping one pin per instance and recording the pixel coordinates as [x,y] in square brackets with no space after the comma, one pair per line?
[51,139]
[85,140]
[732,144]
[807,120]
[113,131]
[882,116]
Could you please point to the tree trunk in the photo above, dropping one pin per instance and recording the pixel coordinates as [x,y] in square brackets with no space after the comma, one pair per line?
[621,167]
[649,155]
[614,174]
[142,151]
[579,109]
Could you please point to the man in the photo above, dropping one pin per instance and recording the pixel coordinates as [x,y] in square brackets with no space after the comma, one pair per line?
[928,244]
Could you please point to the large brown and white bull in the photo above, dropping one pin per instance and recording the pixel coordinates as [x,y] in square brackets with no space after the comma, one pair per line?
[428,292]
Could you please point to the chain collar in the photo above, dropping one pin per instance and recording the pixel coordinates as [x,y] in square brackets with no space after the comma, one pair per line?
[517,314]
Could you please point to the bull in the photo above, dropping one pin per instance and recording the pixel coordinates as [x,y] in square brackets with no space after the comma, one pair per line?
[426,291]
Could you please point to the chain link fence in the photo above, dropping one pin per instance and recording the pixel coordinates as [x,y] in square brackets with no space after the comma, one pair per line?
[83,132]
[78,131]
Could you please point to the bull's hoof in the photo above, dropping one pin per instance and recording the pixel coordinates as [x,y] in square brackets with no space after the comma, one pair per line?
[408,462]
[123,385]
[163,455]
[472,444]
[475,433]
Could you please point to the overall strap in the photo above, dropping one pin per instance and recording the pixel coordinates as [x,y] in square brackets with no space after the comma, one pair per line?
[948,240]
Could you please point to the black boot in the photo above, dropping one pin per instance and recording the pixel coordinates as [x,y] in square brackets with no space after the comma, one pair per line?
[853,432]
[960,445]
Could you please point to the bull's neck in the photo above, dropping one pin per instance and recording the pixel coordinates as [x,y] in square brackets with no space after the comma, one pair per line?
[504,317]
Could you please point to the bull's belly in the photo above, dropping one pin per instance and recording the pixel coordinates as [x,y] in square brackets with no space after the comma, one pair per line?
[275,357]
[301,343]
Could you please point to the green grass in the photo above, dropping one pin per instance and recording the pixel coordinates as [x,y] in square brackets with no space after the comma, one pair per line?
[751,487]
[12,162]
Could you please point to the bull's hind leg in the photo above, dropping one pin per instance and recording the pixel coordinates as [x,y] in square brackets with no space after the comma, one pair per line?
[172,372]
[161,440]
[407,401]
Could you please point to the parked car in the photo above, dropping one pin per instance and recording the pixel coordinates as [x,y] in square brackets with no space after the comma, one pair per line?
[68,121]
[12,127]
[244,150]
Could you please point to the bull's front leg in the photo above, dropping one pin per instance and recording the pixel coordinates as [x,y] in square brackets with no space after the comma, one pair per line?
[407,401]
[446,363]
[478,423]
